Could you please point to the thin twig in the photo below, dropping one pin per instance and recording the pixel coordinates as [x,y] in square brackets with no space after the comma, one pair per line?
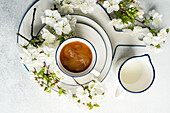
[22,37]
[47,67]
[32,24]
[78,83]
[143,24]
[56,81]
[55,7]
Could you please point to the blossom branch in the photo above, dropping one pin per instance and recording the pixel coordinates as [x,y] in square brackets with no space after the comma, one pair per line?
[124,12]
[22,37]
[47,68]
[143,24]
[32,24]
[78,83]
[49,73]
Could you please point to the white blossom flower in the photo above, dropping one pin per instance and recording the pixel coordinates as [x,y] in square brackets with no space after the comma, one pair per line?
[57,1]
[98,89]
[58,27]
[51,45]
[50,17]
[148,39]
[41,55]
[77,3]
[67,1]
[88,6]
[152,12]
[29,57]
[53,68]
[62,26]
[80,92]
[97,99]
[162,33]
[70,96]
[138,32]
[50,53]
[152,40]
[26,57]
[62,76]
[155,43]
[53,14]
[136,4]
[156,18]
[82,95]
[47,20]
[49,38]
[118,23]
[154,49]
[140,13]
[67,8]
[111,5]
[72,21]
[91,85]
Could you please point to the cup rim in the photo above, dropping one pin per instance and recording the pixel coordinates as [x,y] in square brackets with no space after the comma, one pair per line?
[81,39]
[153,69]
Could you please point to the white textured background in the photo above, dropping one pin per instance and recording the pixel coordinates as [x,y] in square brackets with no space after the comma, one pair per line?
[19,94]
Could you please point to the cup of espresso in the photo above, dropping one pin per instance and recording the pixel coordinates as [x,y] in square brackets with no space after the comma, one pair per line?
[76,57]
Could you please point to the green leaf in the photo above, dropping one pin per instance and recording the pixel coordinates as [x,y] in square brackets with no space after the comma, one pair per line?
[90,106]
[146,21]
[86,87]
[151,18]
[61,39]
[32,42]
[167,30]
[153,31]
[74,96]
[78,101]
[34,59]
[96,105]
[41,72]
[158,46]
[90,96]
[49,91]
[25,46]
[62,91]
[52,86]
[46,88]
[94,81]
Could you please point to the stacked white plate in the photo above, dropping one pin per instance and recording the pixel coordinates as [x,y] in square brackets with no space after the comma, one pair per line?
[95,28]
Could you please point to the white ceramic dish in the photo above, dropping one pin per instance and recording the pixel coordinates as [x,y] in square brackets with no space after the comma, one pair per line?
[100,25]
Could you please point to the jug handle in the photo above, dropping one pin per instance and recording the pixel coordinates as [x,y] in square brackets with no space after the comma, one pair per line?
[120,92]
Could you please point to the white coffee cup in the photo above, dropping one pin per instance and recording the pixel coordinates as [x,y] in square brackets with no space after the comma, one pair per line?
[135,75]
[90,69]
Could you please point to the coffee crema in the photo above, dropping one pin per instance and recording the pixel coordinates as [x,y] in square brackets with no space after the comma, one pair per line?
[76,56]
